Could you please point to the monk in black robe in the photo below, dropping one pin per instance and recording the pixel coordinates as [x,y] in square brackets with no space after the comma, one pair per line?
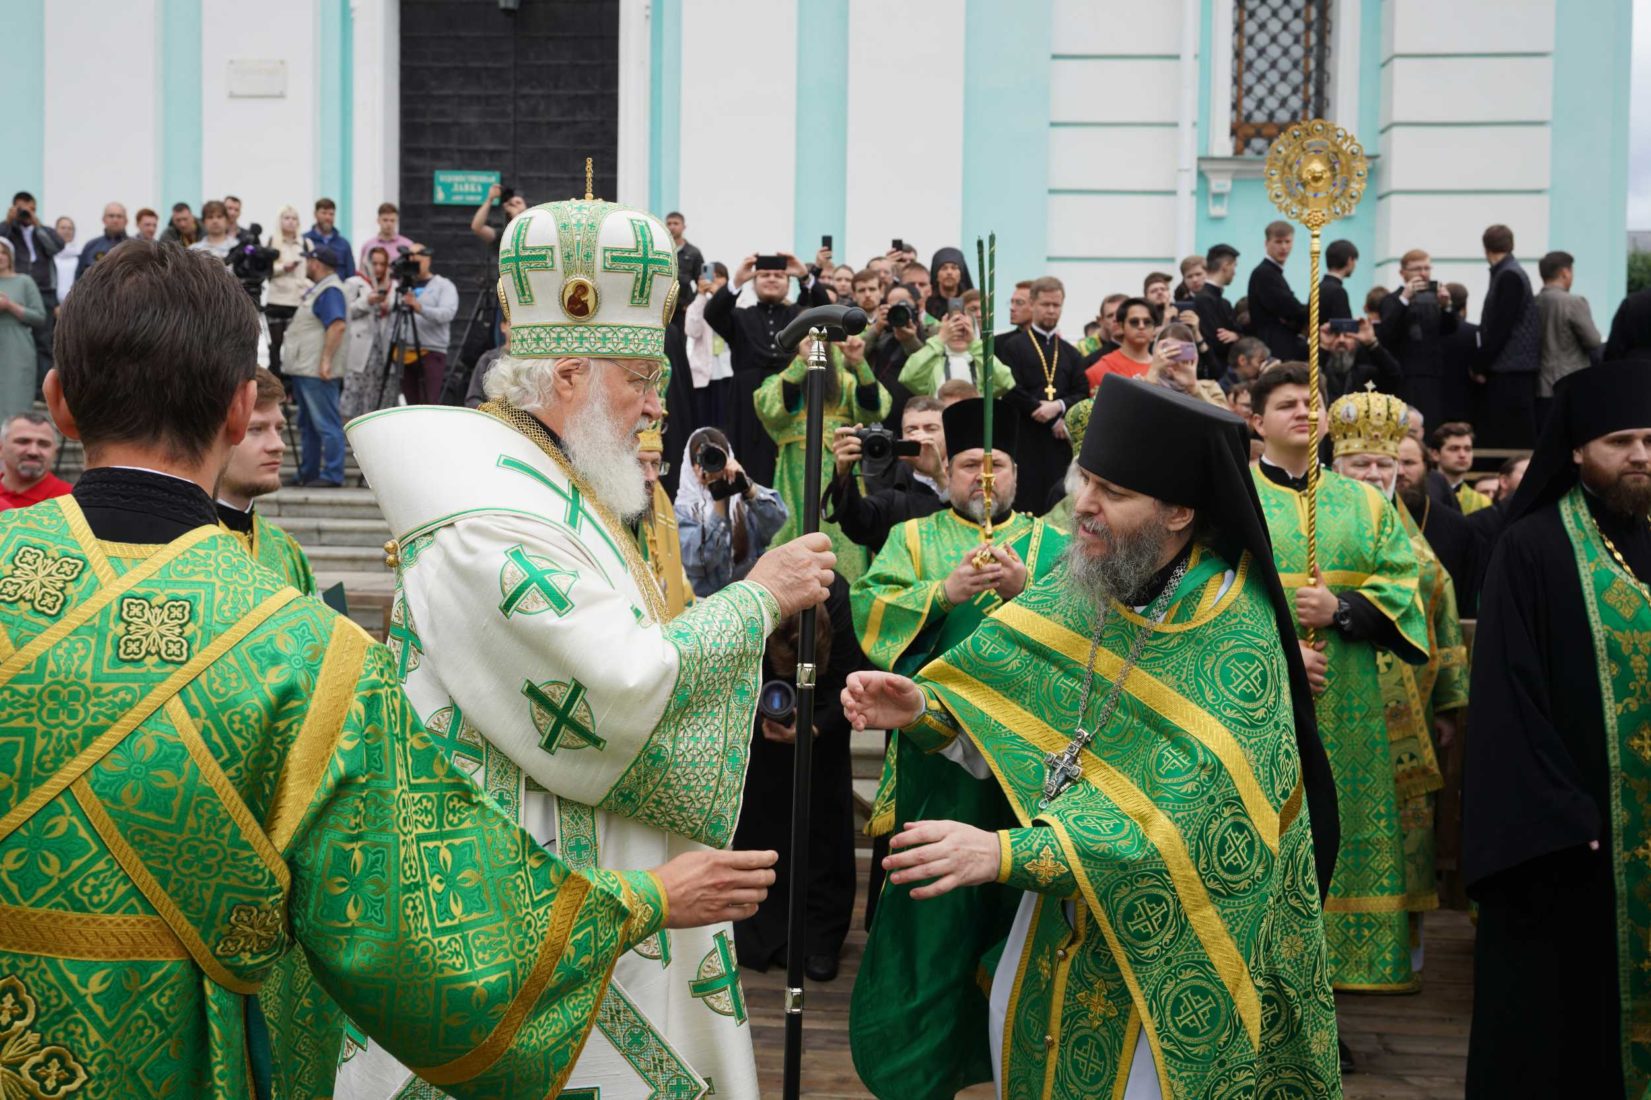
[1557,795]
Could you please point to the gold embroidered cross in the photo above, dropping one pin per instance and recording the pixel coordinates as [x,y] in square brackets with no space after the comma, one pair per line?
[154,628]
[27,1068]
[1641,743]
[39,579]
[1046,868]
[253,930]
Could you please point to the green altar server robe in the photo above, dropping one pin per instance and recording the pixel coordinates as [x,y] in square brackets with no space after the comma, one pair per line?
[904,620]
[861,399]
[204,772]
[1362,548]
[1411,696]
[1168,907]
[278,552]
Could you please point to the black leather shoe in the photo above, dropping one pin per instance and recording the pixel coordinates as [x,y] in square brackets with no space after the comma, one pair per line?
[820,968]
[1347,1065]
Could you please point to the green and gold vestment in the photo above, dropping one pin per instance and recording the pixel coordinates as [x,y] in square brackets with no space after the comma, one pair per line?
[786,423]
[1185,853]
[203,771]
[1363,548]
[278,552]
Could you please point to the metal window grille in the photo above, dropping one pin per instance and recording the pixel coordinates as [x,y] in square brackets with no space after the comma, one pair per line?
[1281,68]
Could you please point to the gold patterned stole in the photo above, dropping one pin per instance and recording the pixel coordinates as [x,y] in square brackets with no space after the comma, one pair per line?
[1619,618]
[135,761]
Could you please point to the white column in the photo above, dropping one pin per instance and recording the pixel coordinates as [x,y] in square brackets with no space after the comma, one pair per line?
[376,154]
[1186,144]
[635,78]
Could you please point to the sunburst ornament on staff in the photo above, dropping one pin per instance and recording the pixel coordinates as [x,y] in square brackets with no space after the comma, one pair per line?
[1316,174]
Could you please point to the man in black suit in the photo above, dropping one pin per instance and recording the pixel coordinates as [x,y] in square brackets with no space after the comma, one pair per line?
[1339,259]
[1416,318]
[1277,316]
[1510,349]
[1049,379]
[1217,319]
[1630,336]
[1460,349]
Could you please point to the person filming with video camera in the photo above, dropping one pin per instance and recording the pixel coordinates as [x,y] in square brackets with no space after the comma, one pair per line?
[427,306]
[724,520]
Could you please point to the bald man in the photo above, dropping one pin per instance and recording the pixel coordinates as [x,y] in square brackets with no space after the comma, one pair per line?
[114,232]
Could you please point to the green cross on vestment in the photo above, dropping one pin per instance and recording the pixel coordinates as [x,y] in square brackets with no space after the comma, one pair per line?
[521,261]
[451,740]
[577,513]
[404,644]
[536,578]
[562,717]
[642,259]
[723,978]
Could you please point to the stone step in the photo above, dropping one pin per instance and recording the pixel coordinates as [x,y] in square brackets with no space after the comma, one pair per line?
[345,503]
[316,531]
[346,559]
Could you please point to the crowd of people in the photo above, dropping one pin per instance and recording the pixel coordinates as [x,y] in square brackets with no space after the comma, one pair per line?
[1146,723]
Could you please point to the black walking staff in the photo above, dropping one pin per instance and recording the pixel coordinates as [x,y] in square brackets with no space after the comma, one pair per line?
[821,324]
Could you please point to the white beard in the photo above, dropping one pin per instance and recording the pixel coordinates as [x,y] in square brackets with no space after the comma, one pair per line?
[604,453]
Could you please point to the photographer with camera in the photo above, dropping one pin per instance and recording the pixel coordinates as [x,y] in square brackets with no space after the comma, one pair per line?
[1351,359]
[902,479]
[315,366]
[724,520]
[287,281]
[852,395]
[1416,318]
[218,239]
[510,204]
[34,251]
[431,302]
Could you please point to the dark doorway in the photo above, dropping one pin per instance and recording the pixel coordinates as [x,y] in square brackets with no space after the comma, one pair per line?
[529,94]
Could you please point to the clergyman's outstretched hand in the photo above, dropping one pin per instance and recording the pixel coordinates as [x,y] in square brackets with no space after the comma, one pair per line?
[881,701]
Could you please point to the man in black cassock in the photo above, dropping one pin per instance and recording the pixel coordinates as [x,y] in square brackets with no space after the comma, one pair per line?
[1510,349]
[1557,797]
[1630,336]
[1049,379]
[752,348]
[1277,316]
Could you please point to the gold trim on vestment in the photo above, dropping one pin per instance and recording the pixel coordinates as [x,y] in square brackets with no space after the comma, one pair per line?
[1115,945]
[1126,1059]
[54,784]
[1200,618]
[1156,827]
[1163,701]
[1392,904]
[570,897]
[60,934]
[312,750]
[525,425]
[1038,902]
[1412,986]
[1057,1001]
[1291,809]
[81,532]
[215,778]
[138,872]
[132,550]
[103,597]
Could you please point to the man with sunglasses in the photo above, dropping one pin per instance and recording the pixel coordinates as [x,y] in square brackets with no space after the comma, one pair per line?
[532,632]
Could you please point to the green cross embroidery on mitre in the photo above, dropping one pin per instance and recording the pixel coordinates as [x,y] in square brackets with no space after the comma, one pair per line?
[641,259]
[521,260]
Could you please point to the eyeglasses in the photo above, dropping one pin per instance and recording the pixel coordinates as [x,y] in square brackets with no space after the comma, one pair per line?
[1138,322]
[642,382]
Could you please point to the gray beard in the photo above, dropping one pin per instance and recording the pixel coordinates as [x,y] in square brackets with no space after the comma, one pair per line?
[1121,572]
[975,509]
[604,454]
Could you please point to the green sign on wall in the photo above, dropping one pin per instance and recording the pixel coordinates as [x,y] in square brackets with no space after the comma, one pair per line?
[454,187]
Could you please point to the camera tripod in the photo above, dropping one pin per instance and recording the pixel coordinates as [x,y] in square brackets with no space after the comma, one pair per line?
[403,338]
[473,343]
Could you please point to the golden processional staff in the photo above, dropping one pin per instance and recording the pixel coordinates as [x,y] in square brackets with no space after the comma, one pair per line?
[1316,173]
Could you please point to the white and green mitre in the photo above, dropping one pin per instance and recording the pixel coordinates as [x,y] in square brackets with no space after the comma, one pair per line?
[585,277]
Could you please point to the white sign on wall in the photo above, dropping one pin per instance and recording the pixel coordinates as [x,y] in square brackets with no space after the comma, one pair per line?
[255,79]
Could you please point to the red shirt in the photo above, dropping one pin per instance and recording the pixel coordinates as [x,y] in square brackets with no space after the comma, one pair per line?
[47,487]
[1113,362]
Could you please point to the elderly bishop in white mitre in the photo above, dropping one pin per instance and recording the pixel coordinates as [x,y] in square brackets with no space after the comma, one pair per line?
[533,637]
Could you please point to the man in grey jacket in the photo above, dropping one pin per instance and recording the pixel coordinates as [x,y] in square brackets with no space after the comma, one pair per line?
[434,301]
[1569,337]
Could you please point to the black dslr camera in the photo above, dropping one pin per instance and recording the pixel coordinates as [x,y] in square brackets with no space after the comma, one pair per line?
[251,262]
[900,315]
[404,268]
[712,459]
[879,449]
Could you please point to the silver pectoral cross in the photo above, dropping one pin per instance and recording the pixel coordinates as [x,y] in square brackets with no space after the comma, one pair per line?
[1061,769]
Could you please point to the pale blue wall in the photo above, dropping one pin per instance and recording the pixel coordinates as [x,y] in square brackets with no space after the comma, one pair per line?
[821,188]
[665,107]
[336,102]
[179,51]
[1588,182]
[23,91]
[1006,61]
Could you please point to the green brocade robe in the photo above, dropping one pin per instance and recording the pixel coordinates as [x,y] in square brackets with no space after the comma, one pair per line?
[786,424]
[904,620]
[1411,696]
[201,772]
[278,552]
[1362,547]
[1185,852]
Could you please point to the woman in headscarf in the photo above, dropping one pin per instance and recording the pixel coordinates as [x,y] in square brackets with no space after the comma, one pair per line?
[723,531]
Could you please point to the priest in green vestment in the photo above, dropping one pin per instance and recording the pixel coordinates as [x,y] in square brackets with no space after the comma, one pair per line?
[1419,702]
[1364,601]
[1147,923]
[853,396]
[1556,806]
[204,771]
[254,470]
